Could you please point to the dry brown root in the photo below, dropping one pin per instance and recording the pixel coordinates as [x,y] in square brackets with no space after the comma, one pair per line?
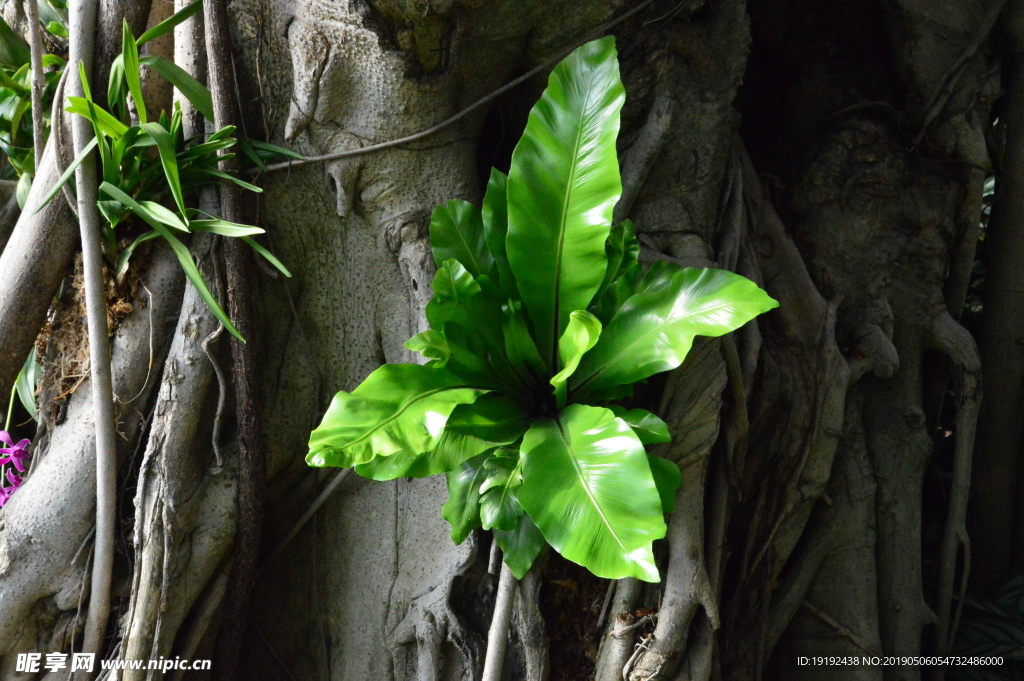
[185,511]
[46,527]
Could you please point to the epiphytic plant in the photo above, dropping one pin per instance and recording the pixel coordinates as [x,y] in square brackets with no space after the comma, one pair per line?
[146,164]
[541,319]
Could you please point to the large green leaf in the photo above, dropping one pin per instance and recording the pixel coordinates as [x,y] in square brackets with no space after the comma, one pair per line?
[520,546]
[494,417]
[588,487]
[451,451]
[520,347]
[622,250]
[580,335]
[666,478]
[654,329]
[473,329]
[130,55]
[495,218]
[457,231]
[432,345]
[631,281]
[462,510]
[499,507]
[398,408]
[562,187]
[492,420]
[452,284]
[647,426]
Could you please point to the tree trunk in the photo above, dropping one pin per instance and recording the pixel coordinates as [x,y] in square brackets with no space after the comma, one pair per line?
[834,153]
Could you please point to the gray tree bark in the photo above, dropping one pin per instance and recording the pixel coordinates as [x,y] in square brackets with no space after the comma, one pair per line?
[835,155]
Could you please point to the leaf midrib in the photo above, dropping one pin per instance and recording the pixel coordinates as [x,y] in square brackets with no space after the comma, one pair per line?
[565,212]
[507,487]
[462,237]
[614,359]
[583,484]
[404,408]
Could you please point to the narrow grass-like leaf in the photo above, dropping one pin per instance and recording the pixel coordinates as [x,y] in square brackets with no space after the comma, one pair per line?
[184,257]
[116,87]
[26,383]
[224,228]
[126,254]
[192,89]
[274,149]
[13,48]
[168,24]
[130,53]
[164,215]
[250,153]
[66,175]
[58,29]
[22,190]
[231,178]
[12,85]
[168,159]
[110,173]
[270,257]
[109,125]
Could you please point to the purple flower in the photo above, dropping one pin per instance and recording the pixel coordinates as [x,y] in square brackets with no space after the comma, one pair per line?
[15,453]
[7,492]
